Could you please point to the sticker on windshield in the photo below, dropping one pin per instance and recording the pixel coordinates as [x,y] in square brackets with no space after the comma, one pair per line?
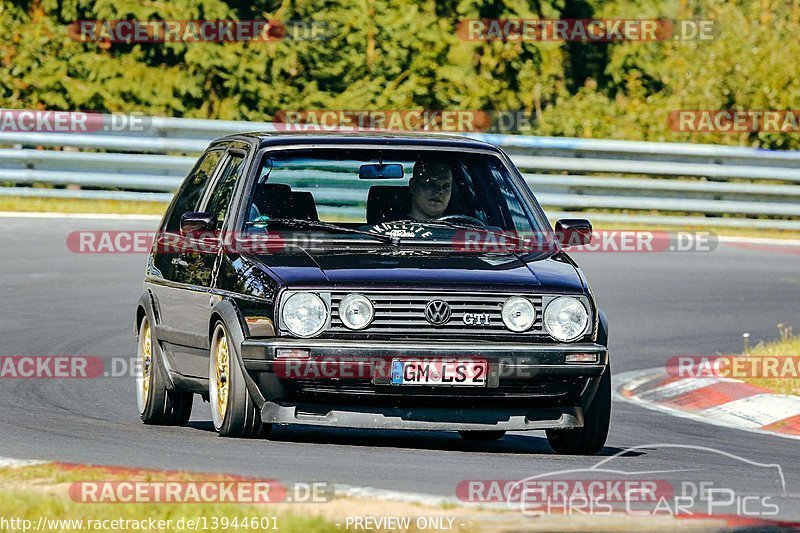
[402,230]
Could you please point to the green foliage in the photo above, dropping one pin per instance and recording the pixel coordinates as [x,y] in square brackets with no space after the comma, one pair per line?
[406,54]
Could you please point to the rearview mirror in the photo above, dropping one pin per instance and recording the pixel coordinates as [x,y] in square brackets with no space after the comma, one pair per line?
[197,221]
[574,231]
[391,171]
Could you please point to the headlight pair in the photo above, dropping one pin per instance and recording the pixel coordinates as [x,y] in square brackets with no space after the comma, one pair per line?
[305,314]
[565,318]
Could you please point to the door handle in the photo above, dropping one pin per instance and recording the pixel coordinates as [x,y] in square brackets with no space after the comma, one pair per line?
[179,262]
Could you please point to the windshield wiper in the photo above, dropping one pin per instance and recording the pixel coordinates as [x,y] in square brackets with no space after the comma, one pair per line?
[298,223]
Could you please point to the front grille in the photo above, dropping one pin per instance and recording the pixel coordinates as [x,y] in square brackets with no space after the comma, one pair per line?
[506,389]
[509,392]
[404,312]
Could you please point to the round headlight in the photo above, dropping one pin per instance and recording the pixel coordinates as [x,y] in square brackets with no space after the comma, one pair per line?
[565,318]
[356,311]
[518,314]
[304,314]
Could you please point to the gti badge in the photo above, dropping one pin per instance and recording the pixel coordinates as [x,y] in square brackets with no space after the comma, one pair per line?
[438,312]
[477,319]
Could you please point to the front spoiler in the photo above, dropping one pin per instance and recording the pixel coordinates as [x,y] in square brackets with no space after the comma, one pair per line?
[425,418]
[518,361]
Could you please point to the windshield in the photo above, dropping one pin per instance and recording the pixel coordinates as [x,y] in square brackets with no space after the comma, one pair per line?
[425,195]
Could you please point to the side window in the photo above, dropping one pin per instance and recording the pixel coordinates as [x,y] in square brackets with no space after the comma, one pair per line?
[192,191]
[220,199]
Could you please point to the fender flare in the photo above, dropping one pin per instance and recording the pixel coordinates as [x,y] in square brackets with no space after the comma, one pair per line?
[602,339]
[227,311]
[145,308]
[602,329]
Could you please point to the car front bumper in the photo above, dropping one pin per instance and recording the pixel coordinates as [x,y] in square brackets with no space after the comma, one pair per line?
[345,383]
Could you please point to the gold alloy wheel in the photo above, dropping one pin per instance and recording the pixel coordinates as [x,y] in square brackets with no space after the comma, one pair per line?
[147,360]
[222,372]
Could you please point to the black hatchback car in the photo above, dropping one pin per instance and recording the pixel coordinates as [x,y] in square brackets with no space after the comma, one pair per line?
[370,281]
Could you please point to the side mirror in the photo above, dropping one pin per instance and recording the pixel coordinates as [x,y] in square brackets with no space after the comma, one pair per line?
[197,222]
[574,231]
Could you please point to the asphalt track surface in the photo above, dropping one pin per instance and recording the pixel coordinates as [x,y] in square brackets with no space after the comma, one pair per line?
[659,304]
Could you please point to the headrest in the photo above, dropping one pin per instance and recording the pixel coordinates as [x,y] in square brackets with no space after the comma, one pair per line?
[279,188]
[273,200]
[303,206]
[386,203]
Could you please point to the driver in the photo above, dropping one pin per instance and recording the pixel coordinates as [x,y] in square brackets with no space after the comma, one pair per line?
[430,186]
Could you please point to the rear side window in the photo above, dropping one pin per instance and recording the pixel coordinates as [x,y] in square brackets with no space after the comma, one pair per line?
[191,192]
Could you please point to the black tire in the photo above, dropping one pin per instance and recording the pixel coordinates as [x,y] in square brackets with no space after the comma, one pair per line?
[241,418]
[590,438]
[158,405]
[482,435]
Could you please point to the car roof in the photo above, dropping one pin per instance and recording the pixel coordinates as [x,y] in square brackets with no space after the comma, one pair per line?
[279,138]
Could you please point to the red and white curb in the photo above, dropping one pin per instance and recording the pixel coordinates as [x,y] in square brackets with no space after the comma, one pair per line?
[719,401]
[757,244]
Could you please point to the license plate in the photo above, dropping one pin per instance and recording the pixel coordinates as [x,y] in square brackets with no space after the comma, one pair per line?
[444,373]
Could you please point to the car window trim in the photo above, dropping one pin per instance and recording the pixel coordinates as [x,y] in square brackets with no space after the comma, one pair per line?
[235,213]
[213,182]
[174,203]
[531,211]
[230,153]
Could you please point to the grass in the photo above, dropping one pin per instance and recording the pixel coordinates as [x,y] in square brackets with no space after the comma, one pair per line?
[24,204]
[42,491]
[787,346]
[65,515]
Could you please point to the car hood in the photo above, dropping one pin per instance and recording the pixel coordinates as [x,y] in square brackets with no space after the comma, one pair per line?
[422,268]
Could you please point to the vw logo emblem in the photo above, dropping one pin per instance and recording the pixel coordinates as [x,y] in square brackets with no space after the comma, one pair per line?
[438,312]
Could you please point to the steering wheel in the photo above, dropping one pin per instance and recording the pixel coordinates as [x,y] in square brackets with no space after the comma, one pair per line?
[463,218]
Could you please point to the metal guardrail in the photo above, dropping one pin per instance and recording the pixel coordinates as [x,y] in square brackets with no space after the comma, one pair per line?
[642,182]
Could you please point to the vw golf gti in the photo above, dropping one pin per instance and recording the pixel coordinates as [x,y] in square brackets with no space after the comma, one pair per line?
[387,281]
